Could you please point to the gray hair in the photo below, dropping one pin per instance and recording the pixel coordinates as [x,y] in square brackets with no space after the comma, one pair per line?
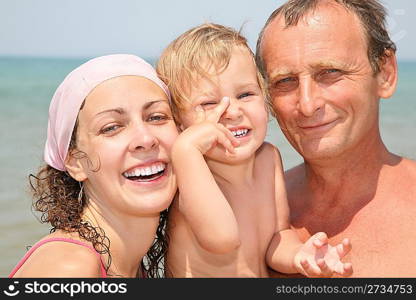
[371,13]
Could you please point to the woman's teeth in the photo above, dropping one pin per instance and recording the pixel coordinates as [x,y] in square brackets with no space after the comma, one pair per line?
[146,173]
[239,133]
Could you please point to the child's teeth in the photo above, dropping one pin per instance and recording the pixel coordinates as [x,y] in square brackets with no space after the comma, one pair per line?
[240,132]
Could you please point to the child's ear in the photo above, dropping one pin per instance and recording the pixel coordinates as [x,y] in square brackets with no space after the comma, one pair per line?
[387,77]
[74,167]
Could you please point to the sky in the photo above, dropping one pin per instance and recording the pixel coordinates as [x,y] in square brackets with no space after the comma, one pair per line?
[87,28]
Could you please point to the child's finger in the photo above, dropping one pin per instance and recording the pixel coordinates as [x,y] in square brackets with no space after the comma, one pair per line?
[310,271]
[346,247]
[229,135]
[226,143]
[325,270]
[347,270]
[320,240]
[215,114]
[343,269]
[199,114]
[343,248]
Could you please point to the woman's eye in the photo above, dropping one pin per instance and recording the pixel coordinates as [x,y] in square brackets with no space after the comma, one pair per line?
[157,118]
[110,129]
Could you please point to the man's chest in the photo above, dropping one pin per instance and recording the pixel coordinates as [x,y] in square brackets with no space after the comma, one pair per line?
[382,246]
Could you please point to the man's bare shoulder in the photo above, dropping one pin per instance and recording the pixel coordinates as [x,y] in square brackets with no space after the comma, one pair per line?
[295,175]
[402,177]
[410,166]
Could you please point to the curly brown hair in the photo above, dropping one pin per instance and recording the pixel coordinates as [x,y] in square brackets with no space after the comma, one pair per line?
[59,199]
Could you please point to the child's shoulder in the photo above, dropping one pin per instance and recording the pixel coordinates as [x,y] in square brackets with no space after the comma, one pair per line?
[268,151]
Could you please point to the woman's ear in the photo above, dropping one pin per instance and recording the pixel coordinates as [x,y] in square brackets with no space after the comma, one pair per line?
[74,166]
[387,77]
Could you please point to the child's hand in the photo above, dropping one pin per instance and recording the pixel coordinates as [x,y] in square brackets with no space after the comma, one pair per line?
[316,258]
[206,132]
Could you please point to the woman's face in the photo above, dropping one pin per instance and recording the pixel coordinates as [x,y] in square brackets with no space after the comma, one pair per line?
[126,130]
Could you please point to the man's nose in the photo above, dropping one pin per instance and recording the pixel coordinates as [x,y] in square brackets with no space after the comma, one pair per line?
[142,139]
[309,101]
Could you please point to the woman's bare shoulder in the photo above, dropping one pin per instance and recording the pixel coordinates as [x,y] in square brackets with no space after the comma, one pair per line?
[61,259]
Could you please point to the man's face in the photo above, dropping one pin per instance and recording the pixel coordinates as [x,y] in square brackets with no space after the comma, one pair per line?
[323,89]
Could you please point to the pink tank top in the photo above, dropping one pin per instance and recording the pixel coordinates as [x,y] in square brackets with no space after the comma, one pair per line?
[37,245]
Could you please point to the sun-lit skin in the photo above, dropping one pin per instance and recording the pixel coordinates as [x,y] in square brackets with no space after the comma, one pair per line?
[230,218]
[246,110]
[126,123]
[125,128]
[326,98]
[325,95]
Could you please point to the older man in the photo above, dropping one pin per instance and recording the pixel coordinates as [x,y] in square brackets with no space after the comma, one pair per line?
[328,63]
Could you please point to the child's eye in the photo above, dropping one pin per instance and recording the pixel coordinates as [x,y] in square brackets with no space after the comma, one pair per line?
[244,95]
[207,103]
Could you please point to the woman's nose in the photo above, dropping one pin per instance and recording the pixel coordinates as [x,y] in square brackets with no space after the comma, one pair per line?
[143,139]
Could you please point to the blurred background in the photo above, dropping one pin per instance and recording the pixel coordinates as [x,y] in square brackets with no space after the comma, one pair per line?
[41,41]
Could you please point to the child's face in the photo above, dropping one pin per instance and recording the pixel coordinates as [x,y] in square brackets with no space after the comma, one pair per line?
[246,116]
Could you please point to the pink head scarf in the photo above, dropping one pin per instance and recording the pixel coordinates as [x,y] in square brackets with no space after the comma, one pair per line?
[71,93]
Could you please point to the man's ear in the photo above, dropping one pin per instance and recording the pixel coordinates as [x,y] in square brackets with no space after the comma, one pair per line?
[387,77]
[74,166]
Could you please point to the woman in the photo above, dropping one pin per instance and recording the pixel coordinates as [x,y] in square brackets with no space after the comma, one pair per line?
[108,175]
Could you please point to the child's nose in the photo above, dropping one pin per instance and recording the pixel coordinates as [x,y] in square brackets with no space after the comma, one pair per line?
[233,111]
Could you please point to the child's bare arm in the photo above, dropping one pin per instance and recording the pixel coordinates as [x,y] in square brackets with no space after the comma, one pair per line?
[285,242]
[287,254]
[201,201]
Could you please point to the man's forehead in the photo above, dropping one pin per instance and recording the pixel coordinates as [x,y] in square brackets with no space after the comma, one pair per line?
[325,12]
[322,29]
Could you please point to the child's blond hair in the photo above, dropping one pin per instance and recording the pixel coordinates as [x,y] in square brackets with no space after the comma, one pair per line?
[192,54]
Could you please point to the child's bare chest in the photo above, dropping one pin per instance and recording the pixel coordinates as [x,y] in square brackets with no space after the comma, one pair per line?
[254,210]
